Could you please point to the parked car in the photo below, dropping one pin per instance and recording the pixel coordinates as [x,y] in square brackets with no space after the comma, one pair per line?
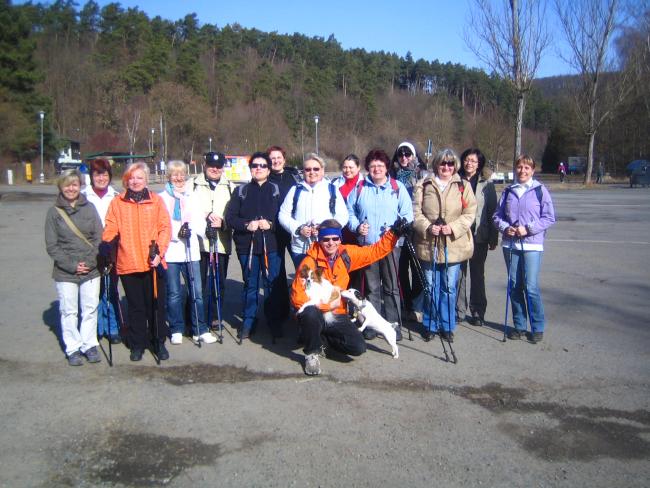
[640,175]
[634,165]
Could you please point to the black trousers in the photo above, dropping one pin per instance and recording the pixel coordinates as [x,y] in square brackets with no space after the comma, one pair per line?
[341,334]
[477,297]
[411,286]
[144,325]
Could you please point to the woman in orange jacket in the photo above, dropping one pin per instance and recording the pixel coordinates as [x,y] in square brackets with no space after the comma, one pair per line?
[335,261]
[140,223]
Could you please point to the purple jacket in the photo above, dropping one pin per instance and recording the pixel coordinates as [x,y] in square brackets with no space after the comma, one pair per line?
[526,211]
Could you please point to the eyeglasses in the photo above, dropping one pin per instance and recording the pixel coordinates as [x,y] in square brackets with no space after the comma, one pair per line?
[327,239]
[449,164]
[309,170]
[473,161]
[404,154]
[259,165]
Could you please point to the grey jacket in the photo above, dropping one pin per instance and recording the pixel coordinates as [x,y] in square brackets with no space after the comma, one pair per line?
[486,204]
[65,247]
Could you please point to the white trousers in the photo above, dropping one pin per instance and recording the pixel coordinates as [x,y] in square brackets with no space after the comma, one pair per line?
[72,297]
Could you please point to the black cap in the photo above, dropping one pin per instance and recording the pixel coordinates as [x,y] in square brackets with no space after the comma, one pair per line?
[214,159]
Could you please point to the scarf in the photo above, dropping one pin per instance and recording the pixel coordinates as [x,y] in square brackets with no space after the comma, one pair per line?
[100,193]
[405,175]
[137,196]
[177,196]
[349,185]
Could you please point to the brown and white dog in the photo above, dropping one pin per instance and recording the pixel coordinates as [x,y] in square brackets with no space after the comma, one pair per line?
[372,319]
[319,290]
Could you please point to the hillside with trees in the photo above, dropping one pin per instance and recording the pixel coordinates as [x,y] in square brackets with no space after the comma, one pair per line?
[108,76]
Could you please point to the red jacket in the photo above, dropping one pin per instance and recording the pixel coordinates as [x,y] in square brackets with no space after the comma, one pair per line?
[360,257]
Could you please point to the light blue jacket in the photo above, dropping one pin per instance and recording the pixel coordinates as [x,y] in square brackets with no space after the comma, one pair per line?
[380,205]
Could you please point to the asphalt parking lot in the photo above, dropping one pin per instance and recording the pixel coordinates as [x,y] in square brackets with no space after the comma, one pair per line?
[571,411]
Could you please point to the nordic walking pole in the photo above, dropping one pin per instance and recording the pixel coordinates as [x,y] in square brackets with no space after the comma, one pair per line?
[153,251]
[523,265]
[216,284]
[451,348]
[107,284]
[401,294]
[508,290]
[190,273]
[423,279]
[435,305]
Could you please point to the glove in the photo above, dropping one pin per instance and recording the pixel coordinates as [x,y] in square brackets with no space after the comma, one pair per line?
[211,232]
[400,227]
[154,250]
[184,232]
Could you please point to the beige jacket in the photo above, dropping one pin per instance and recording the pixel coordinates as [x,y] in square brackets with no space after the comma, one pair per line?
[215,201]
[458,210]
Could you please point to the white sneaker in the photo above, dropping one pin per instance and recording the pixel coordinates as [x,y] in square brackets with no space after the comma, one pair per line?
[206,338]
[177,338]
[312,364]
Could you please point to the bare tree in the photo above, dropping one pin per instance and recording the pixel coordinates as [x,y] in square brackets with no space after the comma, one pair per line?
[588,26]
[510,37]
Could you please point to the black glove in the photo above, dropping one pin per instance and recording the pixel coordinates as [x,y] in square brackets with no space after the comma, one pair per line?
[400,227]
[154,250]
[211,232]
[184,232]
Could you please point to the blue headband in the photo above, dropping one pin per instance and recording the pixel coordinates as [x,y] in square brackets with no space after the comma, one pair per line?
[328,231]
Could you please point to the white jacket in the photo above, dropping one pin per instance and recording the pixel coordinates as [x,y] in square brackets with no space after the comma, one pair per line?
[101,204]
[312,207]
[191,213]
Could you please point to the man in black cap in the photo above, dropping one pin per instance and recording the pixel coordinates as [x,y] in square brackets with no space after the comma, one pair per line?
[212,191]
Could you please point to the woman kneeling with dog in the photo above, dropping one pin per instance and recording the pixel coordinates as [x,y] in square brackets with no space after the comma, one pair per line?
[328,322]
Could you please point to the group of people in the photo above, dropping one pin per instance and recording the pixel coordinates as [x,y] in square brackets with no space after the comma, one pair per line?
[353,231]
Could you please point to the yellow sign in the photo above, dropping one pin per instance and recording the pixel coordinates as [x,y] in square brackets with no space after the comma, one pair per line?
[236,169]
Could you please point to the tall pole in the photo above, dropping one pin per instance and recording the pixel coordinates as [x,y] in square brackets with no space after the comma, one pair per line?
[41,178]
[316,122]
[210,139]
[151,142]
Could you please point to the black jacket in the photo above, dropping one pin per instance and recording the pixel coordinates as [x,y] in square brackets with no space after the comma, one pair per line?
[285,180]
[251,202]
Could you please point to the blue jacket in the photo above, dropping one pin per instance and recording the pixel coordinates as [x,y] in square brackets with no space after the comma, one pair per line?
[526,211]
[380,205]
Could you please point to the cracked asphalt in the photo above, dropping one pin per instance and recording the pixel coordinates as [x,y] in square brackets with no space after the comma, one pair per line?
[571,411]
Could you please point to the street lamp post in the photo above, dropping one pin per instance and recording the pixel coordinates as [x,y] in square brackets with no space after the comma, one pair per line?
[151,145]
[210,140]
[316,122]
[41,178]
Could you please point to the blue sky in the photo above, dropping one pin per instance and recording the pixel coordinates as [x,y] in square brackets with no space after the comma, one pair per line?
[430,29]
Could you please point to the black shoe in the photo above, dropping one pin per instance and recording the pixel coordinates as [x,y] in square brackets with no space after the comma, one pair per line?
[448,336]
[427,335]
[369,334]
[242,335]
[536,337]
[115,340]
[163,353]
[515,335]
[136,354]
[479,322]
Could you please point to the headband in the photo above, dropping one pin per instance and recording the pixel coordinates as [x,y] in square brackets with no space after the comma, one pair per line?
[328,231]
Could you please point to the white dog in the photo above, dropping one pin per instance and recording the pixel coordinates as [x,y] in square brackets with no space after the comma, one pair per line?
[372,319]
[319,290]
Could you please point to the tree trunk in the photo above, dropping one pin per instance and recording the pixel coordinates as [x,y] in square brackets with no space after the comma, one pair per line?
[521,104]
[590,158]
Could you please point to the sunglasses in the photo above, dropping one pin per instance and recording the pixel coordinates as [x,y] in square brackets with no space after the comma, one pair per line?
[309,170]
[327,239]
[259,165]
[404,154]
[450,164]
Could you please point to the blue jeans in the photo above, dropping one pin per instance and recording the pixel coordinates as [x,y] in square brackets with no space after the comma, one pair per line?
[296,258]
[525,297]
[107,309]
[250,291]
[440,312]
[175,309]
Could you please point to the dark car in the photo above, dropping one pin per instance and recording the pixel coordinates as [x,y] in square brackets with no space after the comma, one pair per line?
[641,175]
[637,163]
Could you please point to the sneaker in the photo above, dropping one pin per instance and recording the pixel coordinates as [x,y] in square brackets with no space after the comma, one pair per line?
[536,337]
[163,353]
[75,359]
[448,336]
[515,335]
[92,355]
[136,354]
[312,365]
[177,338]
[206,338]
[243,335]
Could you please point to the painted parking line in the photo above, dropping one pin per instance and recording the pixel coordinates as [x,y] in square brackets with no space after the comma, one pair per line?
[589,241]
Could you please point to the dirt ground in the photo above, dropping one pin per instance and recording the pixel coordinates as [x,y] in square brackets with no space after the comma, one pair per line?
[571,411]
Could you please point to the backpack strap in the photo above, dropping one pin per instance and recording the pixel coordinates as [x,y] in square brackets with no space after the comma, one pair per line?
[242,191]
[345,257]
[296,196]
[461,189]
[332,189]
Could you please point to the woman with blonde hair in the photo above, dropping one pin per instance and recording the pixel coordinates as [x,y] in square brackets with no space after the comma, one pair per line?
[138,220]
[73,232]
